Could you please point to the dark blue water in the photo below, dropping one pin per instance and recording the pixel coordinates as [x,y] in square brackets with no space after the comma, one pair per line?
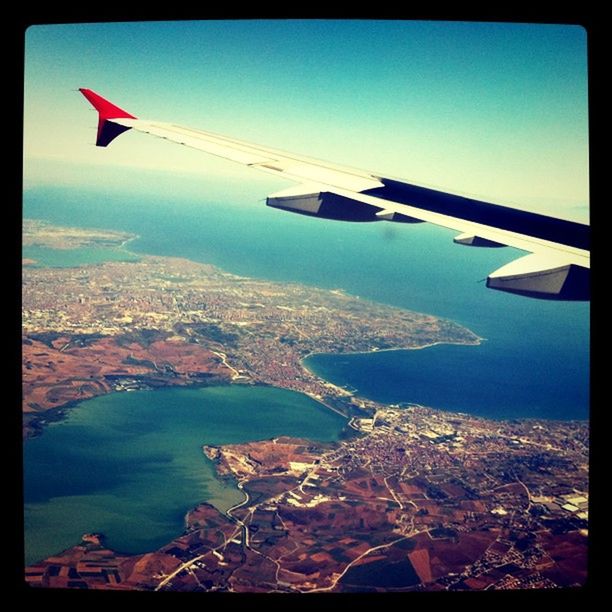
[536,358]
[476,380]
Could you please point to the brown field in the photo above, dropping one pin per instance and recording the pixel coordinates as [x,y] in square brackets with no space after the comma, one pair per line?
[63,372]
[150,565]
[420,561]
[262,458]
[569,551]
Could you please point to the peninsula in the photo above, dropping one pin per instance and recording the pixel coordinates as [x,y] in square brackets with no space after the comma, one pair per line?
[163,321]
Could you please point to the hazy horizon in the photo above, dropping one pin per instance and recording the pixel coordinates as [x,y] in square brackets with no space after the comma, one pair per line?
[497,110]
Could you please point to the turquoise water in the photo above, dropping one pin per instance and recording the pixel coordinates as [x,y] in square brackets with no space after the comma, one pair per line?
[70,258]
[131,465]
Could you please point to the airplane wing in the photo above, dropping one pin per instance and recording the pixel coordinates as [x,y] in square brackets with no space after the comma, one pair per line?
[558,263]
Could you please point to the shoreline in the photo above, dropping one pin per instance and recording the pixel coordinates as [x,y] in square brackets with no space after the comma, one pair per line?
[477,339]
[125,242]
[38,422]
[346,392]
[229,479]
[478,342]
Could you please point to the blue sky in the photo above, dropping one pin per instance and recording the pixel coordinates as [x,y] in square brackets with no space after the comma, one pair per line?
[494,110]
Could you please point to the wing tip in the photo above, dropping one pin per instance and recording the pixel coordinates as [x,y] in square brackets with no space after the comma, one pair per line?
[107,111]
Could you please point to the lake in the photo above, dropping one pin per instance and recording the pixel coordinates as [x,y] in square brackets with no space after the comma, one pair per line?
[130,465]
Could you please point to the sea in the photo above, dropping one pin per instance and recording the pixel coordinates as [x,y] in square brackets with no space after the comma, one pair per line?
[533,361]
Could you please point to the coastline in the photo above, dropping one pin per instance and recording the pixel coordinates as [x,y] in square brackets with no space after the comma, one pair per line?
[329,390]
[478,342]
[238,482]
[127,241]
[36,421]
[226,480]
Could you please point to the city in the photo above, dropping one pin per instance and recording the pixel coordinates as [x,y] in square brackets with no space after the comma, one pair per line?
[164,321]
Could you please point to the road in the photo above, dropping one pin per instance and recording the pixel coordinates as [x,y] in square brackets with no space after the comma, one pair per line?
[228,513]
[184,566]
[235,373]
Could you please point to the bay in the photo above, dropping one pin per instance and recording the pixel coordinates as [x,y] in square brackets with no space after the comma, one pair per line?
[479,380]
[130,465]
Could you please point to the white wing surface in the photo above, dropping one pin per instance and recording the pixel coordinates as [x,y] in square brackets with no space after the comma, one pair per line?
[558,266]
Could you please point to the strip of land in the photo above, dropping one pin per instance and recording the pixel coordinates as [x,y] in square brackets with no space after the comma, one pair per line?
[164,321]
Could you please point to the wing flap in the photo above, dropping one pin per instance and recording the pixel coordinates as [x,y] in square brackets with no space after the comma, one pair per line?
[317,200]
[471,240]
[542,276]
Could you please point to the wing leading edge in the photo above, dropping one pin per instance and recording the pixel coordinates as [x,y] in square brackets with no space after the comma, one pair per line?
[558,266]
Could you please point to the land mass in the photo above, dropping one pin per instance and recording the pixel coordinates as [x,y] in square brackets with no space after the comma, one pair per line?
[40,233]
[167,321]
[419,499]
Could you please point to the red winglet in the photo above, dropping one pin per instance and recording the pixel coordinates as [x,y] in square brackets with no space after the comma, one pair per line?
[107,130]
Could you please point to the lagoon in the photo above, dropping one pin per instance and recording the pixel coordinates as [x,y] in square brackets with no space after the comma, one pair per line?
[71,258]
[130,465]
